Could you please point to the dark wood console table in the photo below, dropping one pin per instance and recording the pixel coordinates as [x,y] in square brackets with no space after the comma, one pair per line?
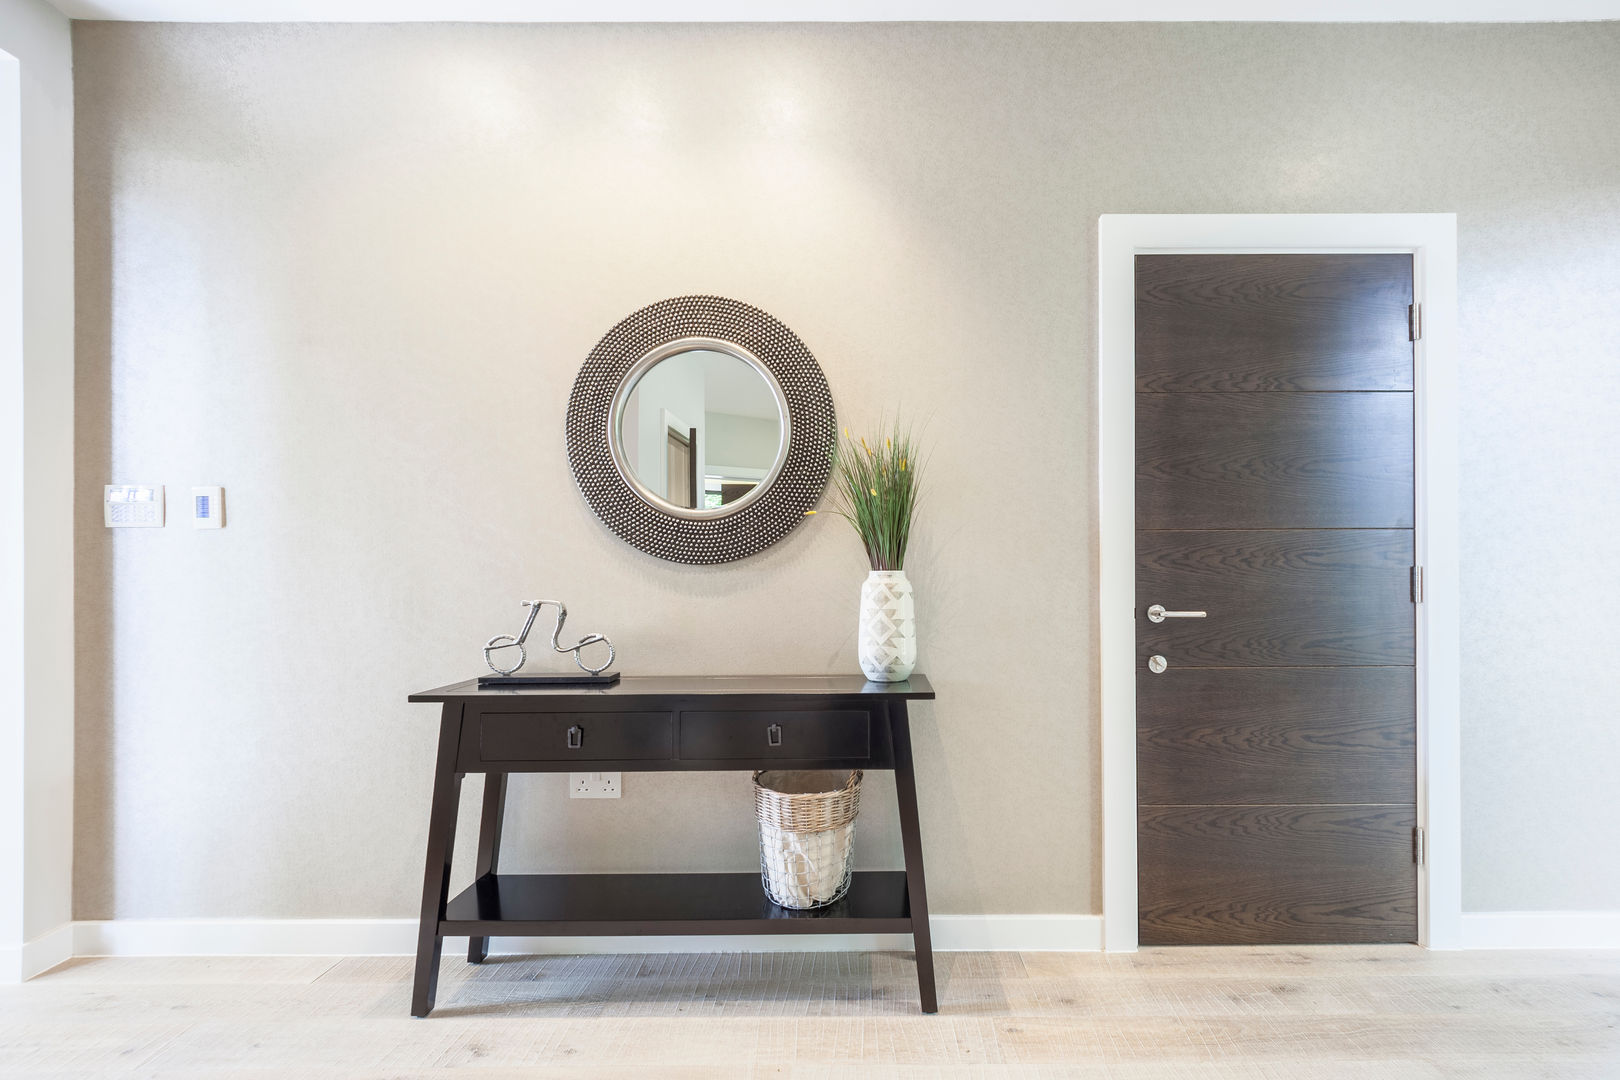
[650,724]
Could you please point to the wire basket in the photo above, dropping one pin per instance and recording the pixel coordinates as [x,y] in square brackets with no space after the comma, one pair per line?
[806,834]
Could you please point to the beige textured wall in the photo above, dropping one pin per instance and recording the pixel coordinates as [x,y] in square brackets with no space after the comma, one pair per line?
[349,273]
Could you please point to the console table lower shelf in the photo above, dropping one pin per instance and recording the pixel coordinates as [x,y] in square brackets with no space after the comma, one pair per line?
[582,905]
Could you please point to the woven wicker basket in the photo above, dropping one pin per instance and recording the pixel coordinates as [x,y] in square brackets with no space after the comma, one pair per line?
[806,834]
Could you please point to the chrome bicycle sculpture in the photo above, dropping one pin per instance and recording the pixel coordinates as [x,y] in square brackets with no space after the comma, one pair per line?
[507,641]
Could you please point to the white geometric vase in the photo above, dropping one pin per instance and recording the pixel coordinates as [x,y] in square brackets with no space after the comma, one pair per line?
[888,637]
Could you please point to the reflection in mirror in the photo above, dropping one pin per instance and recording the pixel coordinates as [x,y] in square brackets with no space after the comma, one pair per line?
[700,429]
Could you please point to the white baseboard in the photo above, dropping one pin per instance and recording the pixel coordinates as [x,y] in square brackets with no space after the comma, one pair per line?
[1541,930]
[18,963]
[952,933]
[397,937]
[244,937]
[1016,933]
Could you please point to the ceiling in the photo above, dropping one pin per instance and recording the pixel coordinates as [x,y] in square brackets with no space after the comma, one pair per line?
[841,10]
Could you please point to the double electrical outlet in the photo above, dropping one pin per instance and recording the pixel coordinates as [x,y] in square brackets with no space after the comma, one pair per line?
[593,785]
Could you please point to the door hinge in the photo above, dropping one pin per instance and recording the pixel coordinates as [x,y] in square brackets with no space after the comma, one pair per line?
[1417,584]
[1414,321]
[1418,852]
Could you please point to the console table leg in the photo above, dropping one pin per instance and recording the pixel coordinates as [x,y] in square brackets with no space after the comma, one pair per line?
[489,848]
[436,876]
[905,784]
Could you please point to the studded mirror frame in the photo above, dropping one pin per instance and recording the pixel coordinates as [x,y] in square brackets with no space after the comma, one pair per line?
[769,516]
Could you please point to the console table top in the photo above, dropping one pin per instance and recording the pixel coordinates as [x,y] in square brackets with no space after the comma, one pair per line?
[916,688]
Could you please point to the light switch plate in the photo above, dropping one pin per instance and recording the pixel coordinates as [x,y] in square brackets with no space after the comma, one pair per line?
[593,785]
[132,506]
[208,508]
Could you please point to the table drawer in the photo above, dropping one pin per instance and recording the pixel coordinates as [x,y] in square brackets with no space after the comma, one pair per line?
[592,736]
[841,734]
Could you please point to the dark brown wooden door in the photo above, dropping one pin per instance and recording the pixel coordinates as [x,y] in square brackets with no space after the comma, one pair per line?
[1276,752]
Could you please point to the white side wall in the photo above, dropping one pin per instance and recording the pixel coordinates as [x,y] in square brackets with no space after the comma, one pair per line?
[13,790]
[36,467]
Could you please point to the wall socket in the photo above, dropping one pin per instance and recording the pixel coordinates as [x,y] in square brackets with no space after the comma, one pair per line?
[593,785]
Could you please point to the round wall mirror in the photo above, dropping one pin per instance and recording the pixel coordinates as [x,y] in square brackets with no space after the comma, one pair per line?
[700,429]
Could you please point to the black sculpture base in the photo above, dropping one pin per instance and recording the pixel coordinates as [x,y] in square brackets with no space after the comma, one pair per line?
[548,679]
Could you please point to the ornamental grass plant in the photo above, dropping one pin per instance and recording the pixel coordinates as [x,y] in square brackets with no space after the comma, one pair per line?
[875,488]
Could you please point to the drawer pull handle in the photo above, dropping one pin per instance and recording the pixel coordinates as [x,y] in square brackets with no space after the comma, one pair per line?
[773,735]
[576,737]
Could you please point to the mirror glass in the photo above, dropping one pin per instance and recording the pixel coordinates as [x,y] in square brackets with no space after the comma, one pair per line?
[700,429]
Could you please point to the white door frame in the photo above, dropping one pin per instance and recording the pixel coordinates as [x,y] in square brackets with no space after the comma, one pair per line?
[14,714]
[1432,240]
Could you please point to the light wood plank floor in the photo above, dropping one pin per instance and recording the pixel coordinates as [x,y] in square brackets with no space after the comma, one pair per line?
[1384,1013]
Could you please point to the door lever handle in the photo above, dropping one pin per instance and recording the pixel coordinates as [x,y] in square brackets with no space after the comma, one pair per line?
[1156,613]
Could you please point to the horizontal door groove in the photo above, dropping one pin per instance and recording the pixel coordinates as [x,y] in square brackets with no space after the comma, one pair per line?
[1145,393]
[1273,805]
[1289,667]
[1290,528]
[1145,651]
